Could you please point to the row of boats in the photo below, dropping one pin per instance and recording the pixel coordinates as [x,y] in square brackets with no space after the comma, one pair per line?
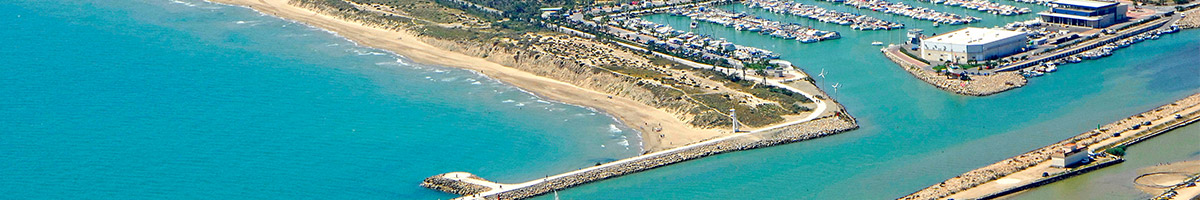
[914,12]
[746,22]
[1097,53]
[855,21]
[984,5]
[1038,2]
[1106,50]
[1040,70]
[691,44]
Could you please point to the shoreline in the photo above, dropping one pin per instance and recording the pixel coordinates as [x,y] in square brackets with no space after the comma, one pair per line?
[1015,173]
[626,111]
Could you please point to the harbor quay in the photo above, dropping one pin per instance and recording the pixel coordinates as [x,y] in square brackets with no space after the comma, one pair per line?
[473,187]
[1035,168]
[1107,43]
[958,60]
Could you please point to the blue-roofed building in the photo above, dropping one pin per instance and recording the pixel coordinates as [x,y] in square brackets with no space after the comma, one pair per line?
[1086,13]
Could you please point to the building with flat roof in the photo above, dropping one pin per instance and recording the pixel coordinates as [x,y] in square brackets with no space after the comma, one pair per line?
[972,44]
[1095,14]
[1068,156]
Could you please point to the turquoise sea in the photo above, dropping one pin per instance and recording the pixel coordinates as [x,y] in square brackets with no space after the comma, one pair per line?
[158,99]
[193,100]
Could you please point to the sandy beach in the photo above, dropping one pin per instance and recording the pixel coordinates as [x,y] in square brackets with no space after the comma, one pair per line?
[674,132]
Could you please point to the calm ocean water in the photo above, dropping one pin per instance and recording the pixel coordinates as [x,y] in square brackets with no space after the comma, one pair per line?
[158,99]
[187,99]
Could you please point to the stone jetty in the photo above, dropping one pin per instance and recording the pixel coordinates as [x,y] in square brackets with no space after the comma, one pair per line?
[978,85]
[828,124]
[1123,132]
[458,183]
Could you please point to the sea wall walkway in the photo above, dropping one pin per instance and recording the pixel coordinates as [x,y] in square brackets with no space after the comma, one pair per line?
[1025,170]
[471,186]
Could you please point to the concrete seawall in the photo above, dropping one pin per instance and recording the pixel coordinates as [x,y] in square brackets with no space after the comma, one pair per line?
[816,128]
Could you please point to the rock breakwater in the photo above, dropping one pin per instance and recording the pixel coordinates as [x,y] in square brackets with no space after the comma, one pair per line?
[451,183]
[827,125]
[977,85]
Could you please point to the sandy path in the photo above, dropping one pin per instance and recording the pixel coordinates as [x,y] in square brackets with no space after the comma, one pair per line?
[674,131]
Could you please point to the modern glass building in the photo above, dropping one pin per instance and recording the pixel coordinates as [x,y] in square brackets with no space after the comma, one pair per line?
[1095,14]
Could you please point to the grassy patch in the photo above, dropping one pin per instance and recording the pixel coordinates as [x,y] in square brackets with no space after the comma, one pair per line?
[635,72]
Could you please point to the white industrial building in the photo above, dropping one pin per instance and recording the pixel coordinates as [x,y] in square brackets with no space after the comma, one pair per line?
[972,44]
[1070,155]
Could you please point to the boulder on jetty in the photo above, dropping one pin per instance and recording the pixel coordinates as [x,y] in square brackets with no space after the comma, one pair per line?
[453,182]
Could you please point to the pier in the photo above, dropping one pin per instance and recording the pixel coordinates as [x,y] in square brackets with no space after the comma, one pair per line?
[746,22]
[986,6]
[813,126]
[855,21]
[906,10]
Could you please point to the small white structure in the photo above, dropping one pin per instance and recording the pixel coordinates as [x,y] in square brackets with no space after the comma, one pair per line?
[1068,156]
[972,44]
[733,117]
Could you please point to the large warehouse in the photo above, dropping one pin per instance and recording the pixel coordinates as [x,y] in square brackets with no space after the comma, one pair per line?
[972,44]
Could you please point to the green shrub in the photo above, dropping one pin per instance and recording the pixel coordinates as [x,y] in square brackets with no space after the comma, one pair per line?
[1117,150]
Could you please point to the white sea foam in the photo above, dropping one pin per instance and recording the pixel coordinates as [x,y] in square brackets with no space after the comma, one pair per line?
[188,4]
[508,101]
[476,83]
[393,54]
[520,104]
[612,128]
